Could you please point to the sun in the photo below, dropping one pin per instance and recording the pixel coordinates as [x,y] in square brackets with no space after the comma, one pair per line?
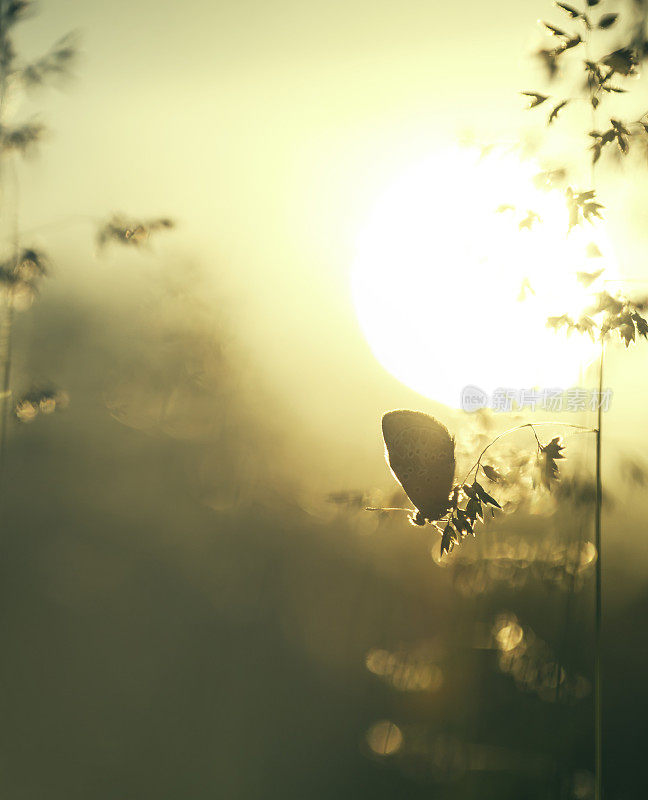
[458,266]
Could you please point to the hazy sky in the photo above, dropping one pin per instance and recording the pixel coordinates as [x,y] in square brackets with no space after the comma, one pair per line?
[267,130]
[176,621]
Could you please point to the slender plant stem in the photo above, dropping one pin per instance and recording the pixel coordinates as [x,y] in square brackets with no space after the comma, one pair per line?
[598,726]
[6,325]
[533,426]
[5,394]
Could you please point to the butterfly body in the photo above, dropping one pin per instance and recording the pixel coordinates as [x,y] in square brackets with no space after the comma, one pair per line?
[420,454]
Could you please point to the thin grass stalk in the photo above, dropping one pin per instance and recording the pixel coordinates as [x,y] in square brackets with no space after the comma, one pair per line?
[6,326]
[598,723]
[5,394]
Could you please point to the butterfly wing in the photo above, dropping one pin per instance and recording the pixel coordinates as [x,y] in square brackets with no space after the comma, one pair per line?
[420,453]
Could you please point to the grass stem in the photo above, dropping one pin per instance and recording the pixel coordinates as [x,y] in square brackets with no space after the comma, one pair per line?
[598,726]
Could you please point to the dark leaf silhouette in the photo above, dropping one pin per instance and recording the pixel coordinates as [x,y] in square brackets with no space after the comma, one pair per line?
[549,454]
[16,10]
[491,473]
[474,510]
[641,323]
[462,523]
[448,539]
[607,20]
[484,496]
[619,127]
[575,40]
[553,29]
[556,110]
[54,63]
[129,232]
[573,12]
[21,138]
[536,99]
[549,59]
[622,61]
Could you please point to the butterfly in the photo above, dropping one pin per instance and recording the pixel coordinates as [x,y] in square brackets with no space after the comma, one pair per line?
[421,455]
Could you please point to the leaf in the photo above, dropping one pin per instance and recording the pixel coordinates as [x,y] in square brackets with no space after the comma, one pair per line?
[573,13]
[627,333]
[462,523]
[549,454]
[595,103]
[587,278]
[474,510]
[129,232]
[575,40]
[54,63]
[591,3]
[15,9]
[504,207]
[586,325]
[549,59]
[642,325]
[592,210]
[622,61]
[447,539]
[605,302]
[619,127]
[623,146]
[22,138]
[554,30]
[607,21]
[491,473]
[556,111]
[484,496]
[592,251]
[536,99]
[560,322]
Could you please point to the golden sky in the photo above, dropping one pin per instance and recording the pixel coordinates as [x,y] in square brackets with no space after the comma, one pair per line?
[267,130]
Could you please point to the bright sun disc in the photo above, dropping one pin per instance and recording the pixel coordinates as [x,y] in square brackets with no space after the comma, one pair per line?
[439,274]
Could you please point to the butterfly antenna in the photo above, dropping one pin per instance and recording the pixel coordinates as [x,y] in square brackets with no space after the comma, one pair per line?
[373,508]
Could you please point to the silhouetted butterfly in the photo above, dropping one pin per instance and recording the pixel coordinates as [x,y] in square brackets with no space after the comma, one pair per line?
[420,453]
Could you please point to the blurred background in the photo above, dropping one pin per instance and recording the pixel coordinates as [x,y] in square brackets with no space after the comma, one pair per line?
[193,601]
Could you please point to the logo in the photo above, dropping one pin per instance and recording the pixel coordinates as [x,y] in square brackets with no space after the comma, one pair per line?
[473,398]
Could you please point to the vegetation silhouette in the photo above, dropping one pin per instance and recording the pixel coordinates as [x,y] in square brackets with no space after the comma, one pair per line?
[584,47]
[22,268]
